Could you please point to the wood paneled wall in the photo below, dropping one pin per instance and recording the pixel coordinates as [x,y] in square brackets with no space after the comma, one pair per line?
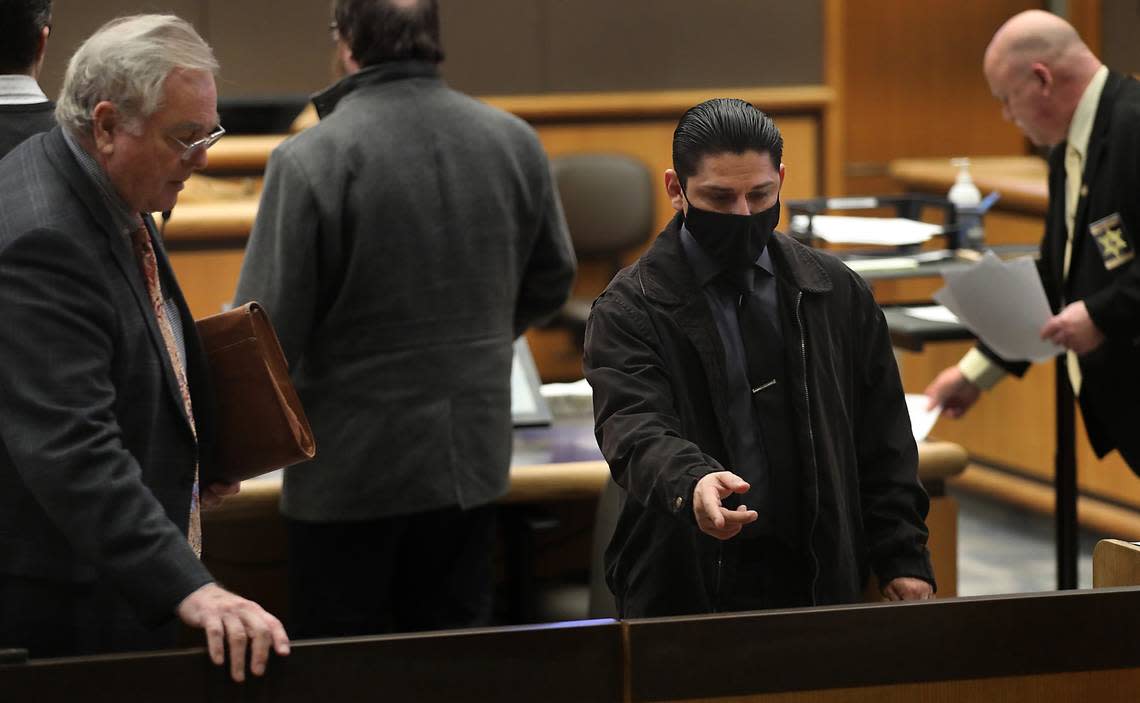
[913,85]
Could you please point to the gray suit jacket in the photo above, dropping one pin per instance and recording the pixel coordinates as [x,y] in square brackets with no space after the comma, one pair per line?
[96,454]
[401,245]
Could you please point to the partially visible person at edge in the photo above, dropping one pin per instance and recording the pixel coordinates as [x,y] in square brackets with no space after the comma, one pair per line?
[24,109]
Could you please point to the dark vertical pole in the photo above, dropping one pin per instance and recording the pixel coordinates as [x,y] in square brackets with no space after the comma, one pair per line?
[1065,476]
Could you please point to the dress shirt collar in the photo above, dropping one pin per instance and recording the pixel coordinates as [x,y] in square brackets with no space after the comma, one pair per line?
[125,219]
[1080,129]
[704,268]
[19,89]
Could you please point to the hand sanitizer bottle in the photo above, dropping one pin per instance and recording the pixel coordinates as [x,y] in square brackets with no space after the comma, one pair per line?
[966,197]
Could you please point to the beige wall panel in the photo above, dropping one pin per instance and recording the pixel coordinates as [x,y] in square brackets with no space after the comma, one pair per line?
[275,47]
[75,20]
[270,47]
[494,47]
[662,44]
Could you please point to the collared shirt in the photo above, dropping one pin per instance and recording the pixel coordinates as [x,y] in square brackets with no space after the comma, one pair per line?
[1080,129]
[976,366]
[126,222]
[745,443]
[19,89]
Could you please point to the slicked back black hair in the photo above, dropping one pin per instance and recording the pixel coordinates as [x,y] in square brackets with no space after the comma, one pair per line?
[723,125]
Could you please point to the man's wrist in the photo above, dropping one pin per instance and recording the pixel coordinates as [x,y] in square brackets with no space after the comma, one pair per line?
[980,370]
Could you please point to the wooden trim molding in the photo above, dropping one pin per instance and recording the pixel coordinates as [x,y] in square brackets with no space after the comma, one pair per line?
[649,104]
[249,153]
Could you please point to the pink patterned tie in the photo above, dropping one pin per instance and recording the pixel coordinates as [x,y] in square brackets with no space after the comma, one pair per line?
[144,252]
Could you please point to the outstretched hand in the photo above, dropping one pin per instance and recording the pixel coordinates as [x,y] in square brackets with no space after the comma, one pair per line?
[712,518]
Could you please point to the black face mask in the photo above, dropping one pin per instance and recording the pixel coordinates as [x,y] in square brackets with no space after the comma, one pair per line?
[733,241]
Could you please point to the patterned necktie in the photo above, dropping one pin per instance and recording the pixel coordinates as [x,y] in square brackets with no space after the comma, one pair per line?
[144,253]
[1073,175]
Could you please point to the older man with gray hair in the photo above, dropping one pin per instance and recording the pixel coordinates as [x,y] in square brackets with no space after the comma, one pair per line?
[105,408]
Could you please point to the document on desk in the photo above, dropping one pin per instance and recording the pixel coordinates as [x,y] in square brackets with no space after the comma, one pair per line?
[884,231]
[1004,304]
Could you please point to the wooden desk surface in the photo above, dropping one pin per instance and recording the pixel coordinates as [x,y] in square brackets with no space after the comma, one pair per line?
[561,480]
[1021,180]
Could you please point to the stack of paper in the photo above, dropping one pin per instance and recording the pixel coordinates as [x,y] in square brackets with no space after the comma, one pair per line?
[1002,303]
[886,231]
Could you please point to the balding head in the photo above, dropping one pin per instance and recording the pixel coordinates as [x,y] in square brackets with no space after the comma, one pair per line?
[1038,67]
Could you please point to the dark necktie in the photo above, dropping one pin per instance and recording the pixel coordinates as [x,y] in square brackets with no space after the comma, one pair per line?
[764,362]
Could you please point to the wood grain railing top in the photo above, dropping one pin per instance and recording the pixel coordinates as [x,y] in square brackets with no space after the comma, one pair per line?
[239,153]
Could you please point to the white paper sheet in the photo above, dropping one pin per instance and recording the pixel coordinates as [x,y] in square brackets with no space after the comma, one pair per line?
[887,263]
[1002,303]
[933,313]
[887,231]
[921,419]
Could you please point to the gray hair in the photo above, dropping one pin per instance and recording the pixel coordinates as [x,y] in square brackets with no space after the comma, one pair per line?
[126,62]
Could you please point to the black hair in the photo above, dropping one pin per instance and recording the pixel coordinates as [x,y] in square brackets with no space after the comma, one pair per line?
[723,125]
[385,30]
[21,22]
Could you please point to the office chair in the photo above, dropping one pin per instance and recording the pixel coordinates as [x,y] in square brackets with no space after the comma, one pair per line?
[608,202]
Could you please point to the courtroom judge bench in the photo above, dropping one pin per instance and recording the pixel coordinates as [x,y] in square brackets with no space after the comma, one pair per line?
[1041,648]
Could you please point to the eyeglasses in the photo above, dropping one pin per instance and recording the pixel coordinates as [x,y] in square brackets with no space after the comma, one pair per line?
[204,143]
[334,32]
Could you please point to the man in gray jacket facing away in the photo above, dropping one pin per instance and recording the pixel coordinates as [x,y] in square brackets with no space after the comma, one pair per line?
[402,244]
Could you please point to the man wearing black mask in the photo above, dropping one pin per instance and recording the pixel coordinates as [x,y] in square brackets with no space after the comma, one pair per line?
[747,400]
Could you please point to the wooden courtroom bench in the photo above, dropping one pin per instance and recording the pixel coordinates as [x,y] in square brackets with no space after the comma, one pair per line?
[569,663]
[1037,648]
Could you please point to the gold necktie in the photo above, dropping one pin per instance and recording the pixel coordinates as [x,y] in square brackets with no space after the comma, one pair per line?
[1073,174]
[144,253]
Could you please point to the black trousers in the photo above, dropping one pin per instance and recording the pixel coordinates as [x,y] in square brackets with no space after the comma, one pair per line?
[54,619]
[764,573]
[427,571]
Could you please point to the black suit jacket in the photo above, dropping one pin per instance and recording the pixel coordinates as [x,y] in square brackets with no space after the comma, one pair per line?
[96,455]
[1110,389]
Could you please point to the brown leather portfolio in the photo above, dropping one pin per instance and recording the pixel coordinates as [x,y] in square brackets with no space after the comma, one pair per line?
[261,424]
